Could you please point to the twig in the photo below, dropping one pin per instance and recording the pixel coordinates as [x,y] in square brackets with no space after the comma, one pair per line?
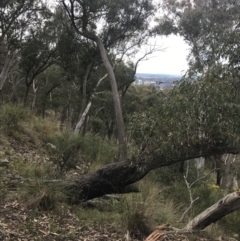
[189,186]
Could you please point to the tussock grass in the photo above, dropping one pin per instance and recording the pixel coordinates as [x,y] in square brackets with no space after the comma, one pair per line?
[44,129]
[93,215]
[11,116]
[44,196]
[32,169]
[98,150]
[148,209]
[139,213]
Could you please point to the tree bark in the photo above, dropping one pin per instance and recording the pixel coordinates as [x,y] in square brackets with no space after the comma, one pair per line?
[82,118]
[85,107]
[226,205]
[8,65]
[83,115]
[34,94]
[116,101]
[14,81]
[226,176]
[26,95]
[219,170]
[115,177]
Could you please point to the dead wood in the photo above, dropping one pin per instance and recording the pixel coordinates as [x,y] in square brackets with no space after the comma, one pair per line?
[223,207]
[118,176]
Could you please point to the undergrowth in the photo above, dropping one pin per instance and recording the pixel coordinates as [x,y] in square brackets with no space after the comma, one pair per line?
[163,195]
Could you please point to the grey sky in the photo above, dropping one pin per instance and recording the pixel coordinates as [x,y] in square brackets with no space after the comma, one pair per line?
[172,60]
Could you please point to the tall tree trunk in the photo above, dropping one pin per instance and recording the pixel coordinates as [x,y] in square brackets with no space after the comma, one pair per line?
[200,163]
[26,95]
[44,99]
[35,94]
[84,109]
[14,82]
[63,117]
[227,177]
[218,170]
[224,180]
[8,64]
[116,101]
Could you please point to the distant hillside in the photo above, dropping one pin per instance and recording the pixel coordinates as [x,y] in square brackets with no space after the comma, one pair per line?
[161,80]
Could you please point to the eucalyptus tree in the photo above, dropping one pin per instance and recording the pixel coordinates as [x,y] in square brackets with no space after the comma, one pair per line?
[79,59]
[101,101]
[171,134]
[108,23]
[210,27]
[38,49]
[15,18]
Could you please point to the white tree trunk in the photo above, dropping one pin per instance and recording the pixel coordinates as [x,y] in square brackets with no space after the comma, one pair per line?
[8,64]
[82,119]
[200,163]
[35,94]
[85,112]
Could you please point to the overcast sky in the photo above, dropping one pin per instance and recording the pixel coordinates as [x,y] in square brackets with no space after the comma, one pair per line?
[172,60]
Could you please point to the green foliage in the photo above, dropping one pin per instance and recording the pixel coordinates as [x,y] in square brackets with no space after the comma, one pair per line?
[97,126]
[64,153]
[211,28]
[11,116]
[229,223]
[194,112]
[98,151]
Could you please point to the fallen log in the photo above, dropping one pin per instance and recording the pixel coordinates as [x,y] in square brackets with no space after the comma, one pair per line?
[223,207]
[117,177]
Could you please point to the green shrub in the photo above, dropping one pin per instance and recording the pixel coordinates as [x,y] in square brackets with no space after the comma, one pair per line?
[65,152]
[230,223]
[99,151]
[97,125]
[11,116]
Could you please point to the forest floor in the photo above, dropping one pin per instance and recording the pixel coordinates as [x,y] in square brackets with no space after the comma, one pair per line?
[18,223]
